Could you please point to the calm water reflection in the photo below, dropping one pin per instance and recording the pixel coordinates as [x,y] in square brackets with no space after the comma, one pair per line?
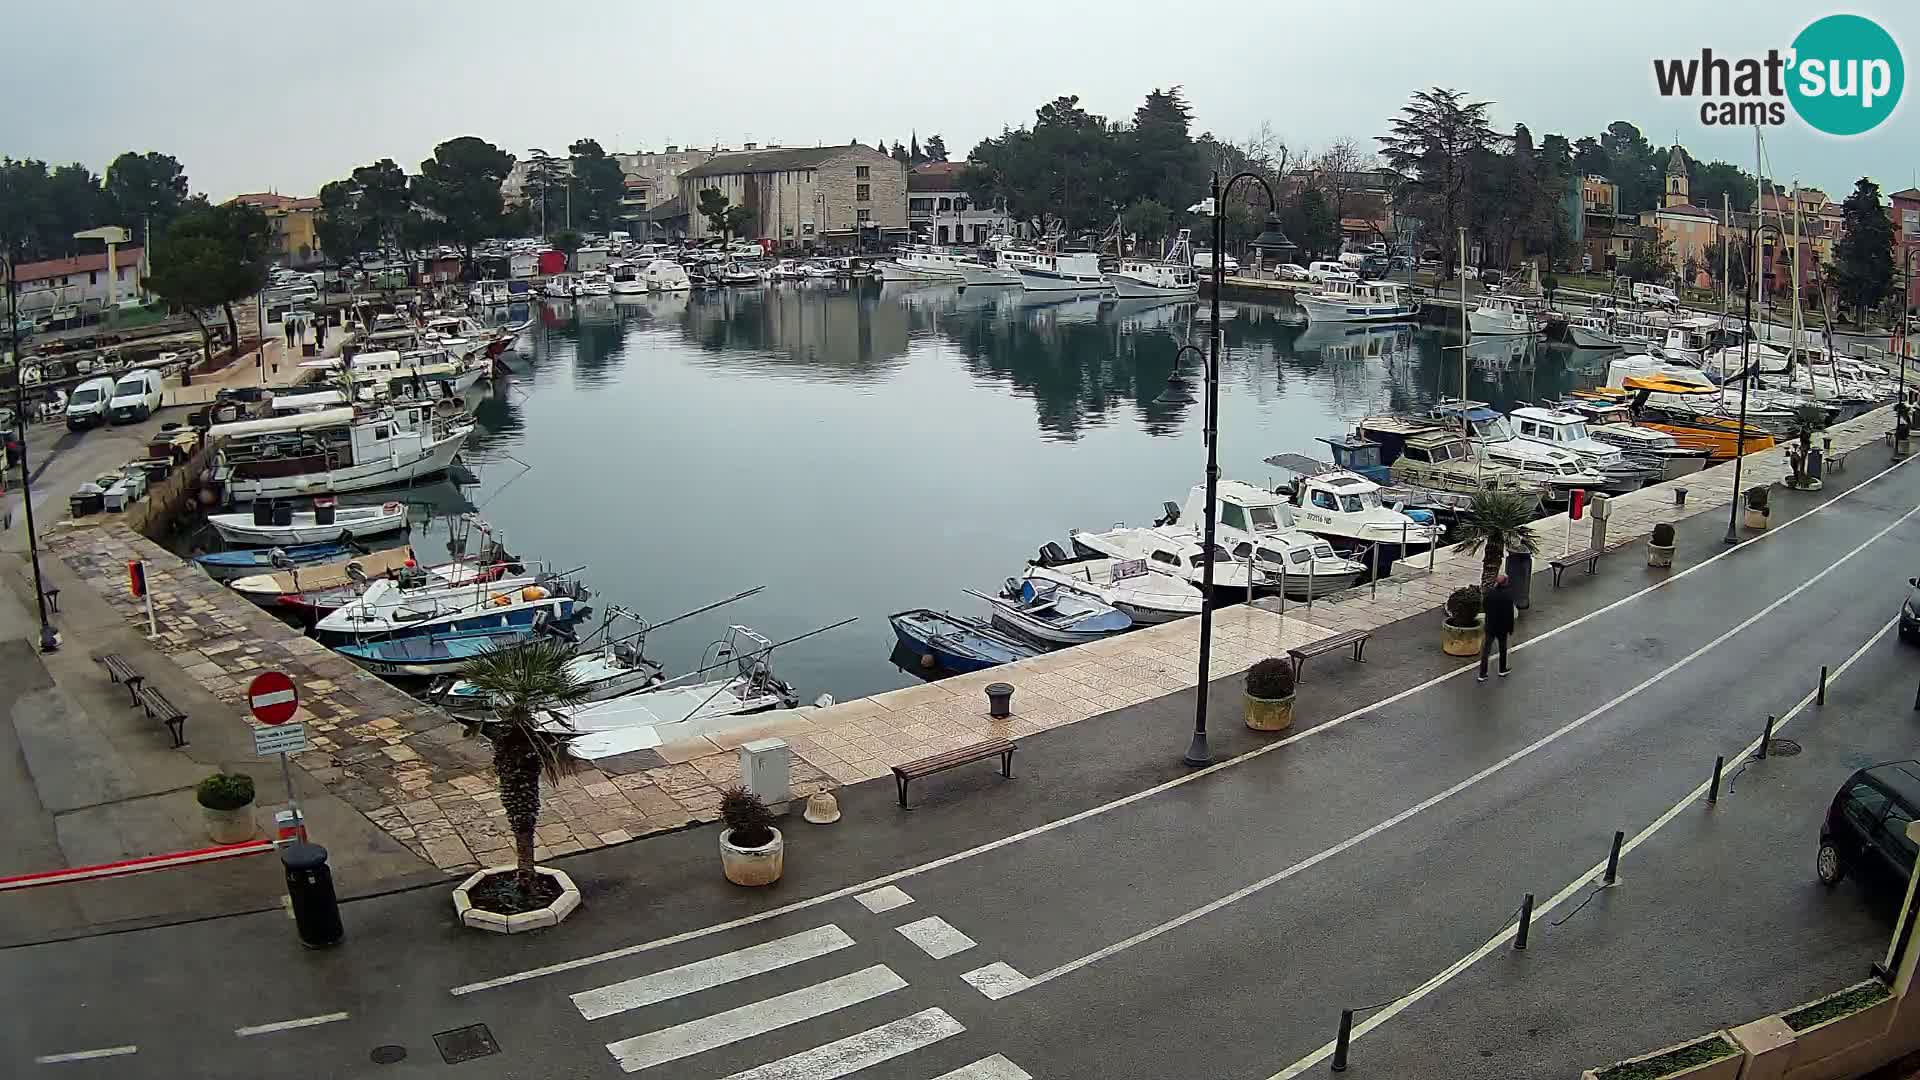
[864,450]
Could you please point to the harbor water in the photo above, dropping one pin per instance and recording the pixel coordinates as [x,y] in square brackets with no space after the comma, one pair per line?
[860,450]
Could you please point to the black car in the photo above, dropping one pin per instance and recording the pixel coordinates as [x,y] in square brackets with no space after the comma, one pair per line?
[1910,612]
[1866,827]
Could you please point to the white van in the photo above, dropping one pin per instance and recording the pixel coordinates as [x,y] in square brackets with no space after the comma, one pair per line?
[1655,294]
[135,397]
[1321,272]
[88,405]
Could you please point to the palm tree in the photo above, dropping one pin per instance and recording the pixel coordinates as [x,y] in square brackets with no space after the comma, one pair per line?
[1496,523]
[521,684]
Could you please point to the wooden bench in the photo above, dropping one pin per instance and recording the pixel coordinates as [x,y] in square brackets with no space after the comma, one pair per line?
[1590,556]
[1837,461]
[953,759]
[1355,638]
[121,672]
[159,708]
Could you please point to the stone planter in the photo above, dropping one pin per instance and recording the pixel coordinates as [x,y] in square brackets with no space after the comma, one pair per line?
[1843,1032]
[1462,640]
[1269,714]
[229,826]
[1755,519]
[753,866]
[1726,1067]
[1659,557]
[494,922]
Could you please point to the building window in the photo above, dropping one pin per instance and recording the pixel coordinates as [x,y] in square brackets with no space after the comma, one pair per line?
[862,172]
[863,216]
[93,277]
[863,193]
[946,204]
[807,229]
[788,230]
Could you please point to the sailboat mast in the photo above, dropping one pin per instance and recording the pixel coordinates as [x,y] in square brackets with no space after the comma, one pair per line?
[1794,263]
[1466,330]
[1726,256]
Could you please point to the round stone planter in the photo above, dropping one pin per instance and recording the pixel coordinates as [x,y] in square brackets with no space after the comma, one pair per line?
[752,866]
[1462,640]
[229,826]
[1269,714]
[494,922]
[1659,557]
[1755,519]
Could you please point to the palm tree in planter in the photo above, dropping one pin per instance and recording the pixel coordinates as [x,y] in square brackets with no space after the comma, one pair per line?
[521,684]
[1496,523]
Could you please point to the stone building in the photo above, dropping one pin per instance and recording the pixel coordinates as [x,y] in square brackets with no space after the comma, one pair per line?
[940,211]
[838,196]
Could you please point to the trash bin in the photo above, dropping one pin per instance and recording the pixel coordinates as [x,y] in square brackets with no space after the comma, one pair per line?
[1520,578]
[316,913]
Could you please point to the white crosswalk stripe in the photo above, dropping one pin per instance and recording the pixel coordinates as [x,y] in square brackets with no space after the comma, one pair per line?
[996,1067]
[855,1052]
[720,1029]
[711,972]
[936,937]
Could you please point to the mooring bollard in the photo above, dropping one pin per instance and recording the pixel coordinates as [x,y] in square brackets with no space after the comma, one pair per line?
[1821,698]
[1679,496]
[1713,793]
[999,700]
[1526,921]
[1376,571]
[1916,699]
[1766,738]
[1613,859]
[1340,1041]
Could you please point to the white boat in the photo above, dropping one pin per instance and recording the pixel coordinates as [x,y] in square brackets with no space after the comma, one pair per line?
[606,672]
[1346,508]
[1568,431]
[1172,551]
[1339,300]
[1611,422]
[559,287]
[1500,314]
[335,450]
[1492,436]
[269,526]
[386,610]
[1260,526]
[1145,597]
[1591,331]
[665,275]
[679,708]
[592,283]
[1049,612]
[1003,270]
[626,279]
[1077,271]
[1139,279]
[923,264]
[490,294]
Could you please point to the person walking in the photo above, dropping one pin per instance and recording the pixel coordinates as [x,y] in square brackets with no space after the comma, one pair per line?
[1498,607]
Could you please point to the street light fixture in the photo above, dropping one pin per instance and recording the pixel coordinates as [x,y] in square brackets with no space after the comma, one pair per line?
[1197,752]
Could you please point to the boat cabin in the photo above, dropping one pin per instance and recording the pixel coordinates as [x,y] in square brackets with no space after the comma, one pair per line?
[1358,455]
[318,442]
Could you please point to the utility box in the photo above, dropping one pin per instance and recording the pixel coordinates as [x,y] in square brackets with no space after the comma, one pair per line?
[1602,509]
[764,770]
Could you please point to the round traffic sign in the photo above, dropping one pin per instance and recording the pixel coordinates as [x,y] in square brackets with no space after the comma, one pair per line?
[273,698]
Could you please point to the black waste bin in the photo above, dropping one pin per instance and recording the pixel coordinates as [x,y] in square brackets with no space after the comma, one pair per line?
[316,913]
[1520,579]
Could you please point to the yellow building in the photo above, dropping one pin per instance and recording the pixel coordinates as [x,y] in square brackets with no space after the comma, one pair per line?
[294,241]
[1689,230]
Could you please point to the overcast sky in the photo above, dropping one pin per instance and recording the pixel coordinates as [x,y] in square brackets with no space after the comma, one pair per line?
[253,96]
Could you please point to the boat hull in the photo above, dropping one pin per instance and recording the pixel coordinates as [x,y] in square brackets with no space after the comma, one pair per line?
[430,460]
[995,276]
[1044,281]
[892,271]
[557,609]
[1496,324]
[245,533]
[1132,288]
[447,655]
[1583,338]
[1335,310]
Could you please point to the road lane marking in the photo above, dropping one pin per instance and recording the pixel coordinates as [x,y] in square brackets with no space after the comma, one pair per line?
[289,1025]
[996,980]
[996,1067]
[758,1018]
[855,1052]
[884,899]
[936,937]
[86,1055]
[1124,801]
[1573,888]
[711,972]
[1432,800]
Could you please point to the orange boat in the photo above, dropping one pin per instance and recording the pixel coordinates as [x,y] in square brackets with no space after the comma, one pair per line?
[1719,436]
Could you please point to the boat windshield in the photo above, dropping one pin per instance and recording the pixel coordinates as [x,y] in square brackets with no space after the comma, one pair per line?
[1495,430]
[1354,503]
[1573,432]
[1263,517]
[1199,558]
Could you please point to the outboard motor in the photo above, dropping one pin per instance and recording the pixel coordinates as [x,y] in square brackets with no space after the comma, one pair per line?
[1171,516]
[1051,554]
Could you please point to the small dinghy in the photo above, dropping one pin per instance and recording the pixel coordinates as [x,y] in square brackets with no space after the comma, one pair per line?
[422,655]
[1045,611]
[224,565]
[954,643]
[277,525]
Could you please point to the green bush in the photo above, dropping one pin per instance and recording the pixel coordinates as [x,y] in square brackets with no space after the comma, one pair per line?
[225,791]
[1663,535]
[1463,606]
[1709,1049]
[1841,1004]
[746,814]
[1270,679]
[1757,497]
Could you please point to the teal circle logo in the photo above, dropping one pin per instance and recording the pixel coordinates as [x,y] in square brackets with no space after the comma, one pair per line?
[1846,76]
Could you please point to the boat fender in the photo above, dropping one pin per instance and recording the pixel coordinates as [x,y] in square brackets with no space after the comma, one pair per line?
[926,661]
[499,600]
[533,592]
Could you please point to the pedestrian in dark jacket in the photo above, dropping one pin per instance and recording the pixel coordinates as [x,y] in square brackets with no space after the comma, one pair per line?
[1498,607]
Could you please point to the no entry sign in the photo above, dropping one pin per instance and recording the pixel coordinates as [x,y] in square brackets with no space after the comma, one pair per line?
[273,698]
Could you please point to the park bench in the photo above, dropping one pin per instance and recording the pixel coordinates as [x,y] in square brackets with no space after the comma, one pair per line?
[121,672]
[1837,461]
[1356,638]
[1590,556]
[953,759]
[159,708]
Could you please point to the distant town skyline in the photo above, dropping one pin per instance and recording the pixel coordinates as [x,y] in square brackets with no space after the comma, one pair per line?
[248,104]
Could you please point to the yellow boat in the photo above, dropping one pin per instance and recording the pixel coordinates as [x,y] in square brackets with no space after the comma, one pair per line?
[1719,436]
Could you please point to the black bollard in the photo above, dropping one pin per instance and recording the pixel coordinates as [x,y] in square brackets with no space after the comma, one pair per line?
[1713,793]
[1766,738]
[1526,922]
[1821,698]
[1613,859]
[316,912]
[1340,1041]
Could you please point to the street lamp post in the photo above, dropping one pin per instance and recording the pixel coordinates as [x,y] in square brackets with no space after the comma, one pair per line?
[1197,752]
[49,641]
[1746,388]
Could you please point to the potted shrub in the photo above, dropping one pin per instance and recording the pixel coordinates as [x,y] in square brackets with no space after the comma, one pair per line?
[752,851]
[1660,546]
[1712,1058]
[521,684]
[1757,507]
[1495,525]
[1270,695]
[1460,631]
[226,802]
[1833,1023]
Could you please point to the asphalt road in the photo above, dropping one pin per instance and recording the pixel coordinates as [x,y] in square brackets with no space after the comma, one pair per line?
[1146,922]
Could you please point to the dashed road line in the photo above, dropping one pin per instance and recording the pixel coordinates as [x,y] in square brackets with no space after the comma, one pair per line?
[936,937]
[289,1025]
[996,1067]
[86,1055]
[884,899]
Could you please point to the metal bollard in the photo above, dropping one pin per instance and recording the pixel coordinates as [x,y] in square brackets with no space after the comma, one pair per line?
[316,911]
[1310,589]
[1679,496]
[1613,860]
[1375,582]
[1821,699]
[999,700]
[1713,792]
[1341,1040]
[1526,922]
[1766,737]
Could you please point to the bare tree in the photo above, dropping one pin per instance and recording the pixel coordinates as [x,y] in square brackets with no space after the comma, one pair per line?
[1265,150]
[1338,172]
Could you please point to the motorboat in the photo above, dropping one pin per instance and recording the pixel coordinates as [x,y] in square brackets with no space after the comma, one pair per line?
[385,609]
[1003,270]
[1126,585]
[665,275]
[1049,612]
[626,279]
[290,578]
[923,264]
[1611,422]
[1560,471]
[737,275]
[787,270]
[592,283]
[335,450]
[684,707]
[241,563]
[1139,279]
[435,653]
[1591,330]
[1568,431]
[316,599]
[609,671]
[1501,314]
[1077,271]
[956,643]
[1259,529]
[1684,392]
[1347,509]
[1175,552]
[273,524]
[559,287]
[1339,300]
[491,293]
[1423,455]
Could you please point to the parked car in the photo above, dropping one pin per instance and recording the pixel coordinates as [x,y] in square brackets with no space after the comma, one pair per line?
[135,397]
[1646,293]
[1292,272]
[1866,826]
[1328,271]
[88,404]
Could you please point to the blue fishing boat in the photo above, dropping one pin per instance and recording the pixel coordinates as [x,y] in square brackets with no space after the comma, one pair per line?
[221,565]
[955,643]
[434,654]
[1048,613]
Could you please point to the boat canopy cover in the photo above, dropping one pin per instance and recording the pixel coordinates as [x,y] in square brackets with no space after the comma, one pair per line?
[1304,465]
[325,418]
[1475,413]
[1656,384]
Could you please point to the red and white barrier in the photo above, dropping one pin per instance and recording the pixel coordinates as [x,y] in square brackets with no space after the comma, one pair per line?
[135,866]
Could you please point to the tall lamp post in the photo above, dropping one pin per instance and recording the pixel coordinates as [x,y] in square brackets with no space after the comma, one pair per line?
[1197,752]
[49,641]
[1746,387]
